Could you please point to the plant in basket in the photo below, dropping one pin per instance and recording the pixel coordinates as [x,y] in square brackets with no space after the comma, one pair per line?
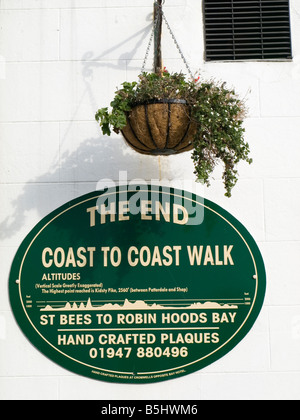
[168,113]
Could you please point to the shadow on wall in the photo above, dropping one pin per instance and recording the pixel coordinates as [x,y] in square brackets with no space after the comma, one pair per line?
[75,173]
[90,62]
[95,158]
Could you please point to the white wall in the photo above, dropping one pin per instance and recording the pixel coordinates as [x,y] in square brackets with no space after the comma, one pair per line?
[60,60]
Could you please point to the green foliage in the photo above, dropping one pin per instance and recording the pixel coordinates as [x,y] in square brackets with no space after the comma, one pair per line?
[217,110]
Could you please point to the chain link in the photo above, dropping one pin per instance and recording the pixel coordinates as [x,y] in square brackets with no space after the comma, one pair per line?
[173,37]
[149,44]
[177,45]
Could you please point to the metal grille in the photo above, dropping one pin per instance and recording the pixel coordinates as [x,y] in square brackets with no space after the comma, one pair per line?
[247,29]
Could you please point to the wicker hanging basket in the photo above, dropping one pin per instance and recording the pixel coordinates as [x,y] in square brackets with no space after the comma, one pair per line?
[160,127]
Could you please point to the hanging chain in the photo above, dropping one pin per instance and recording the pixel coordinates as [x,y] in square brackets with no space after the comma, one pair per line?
[173,37]
[149,44]
[177,45]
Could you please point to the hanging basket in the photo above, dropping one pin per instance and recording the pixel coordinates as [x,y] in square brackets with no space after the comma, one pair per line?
[160,127]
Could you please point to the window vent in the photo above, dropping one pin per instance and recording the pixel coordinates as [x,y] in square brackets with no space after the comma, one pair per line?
[247,29]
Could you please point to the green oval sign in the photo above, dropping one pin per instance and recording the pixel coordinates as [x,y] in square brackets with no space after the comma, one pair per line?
[137,284]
